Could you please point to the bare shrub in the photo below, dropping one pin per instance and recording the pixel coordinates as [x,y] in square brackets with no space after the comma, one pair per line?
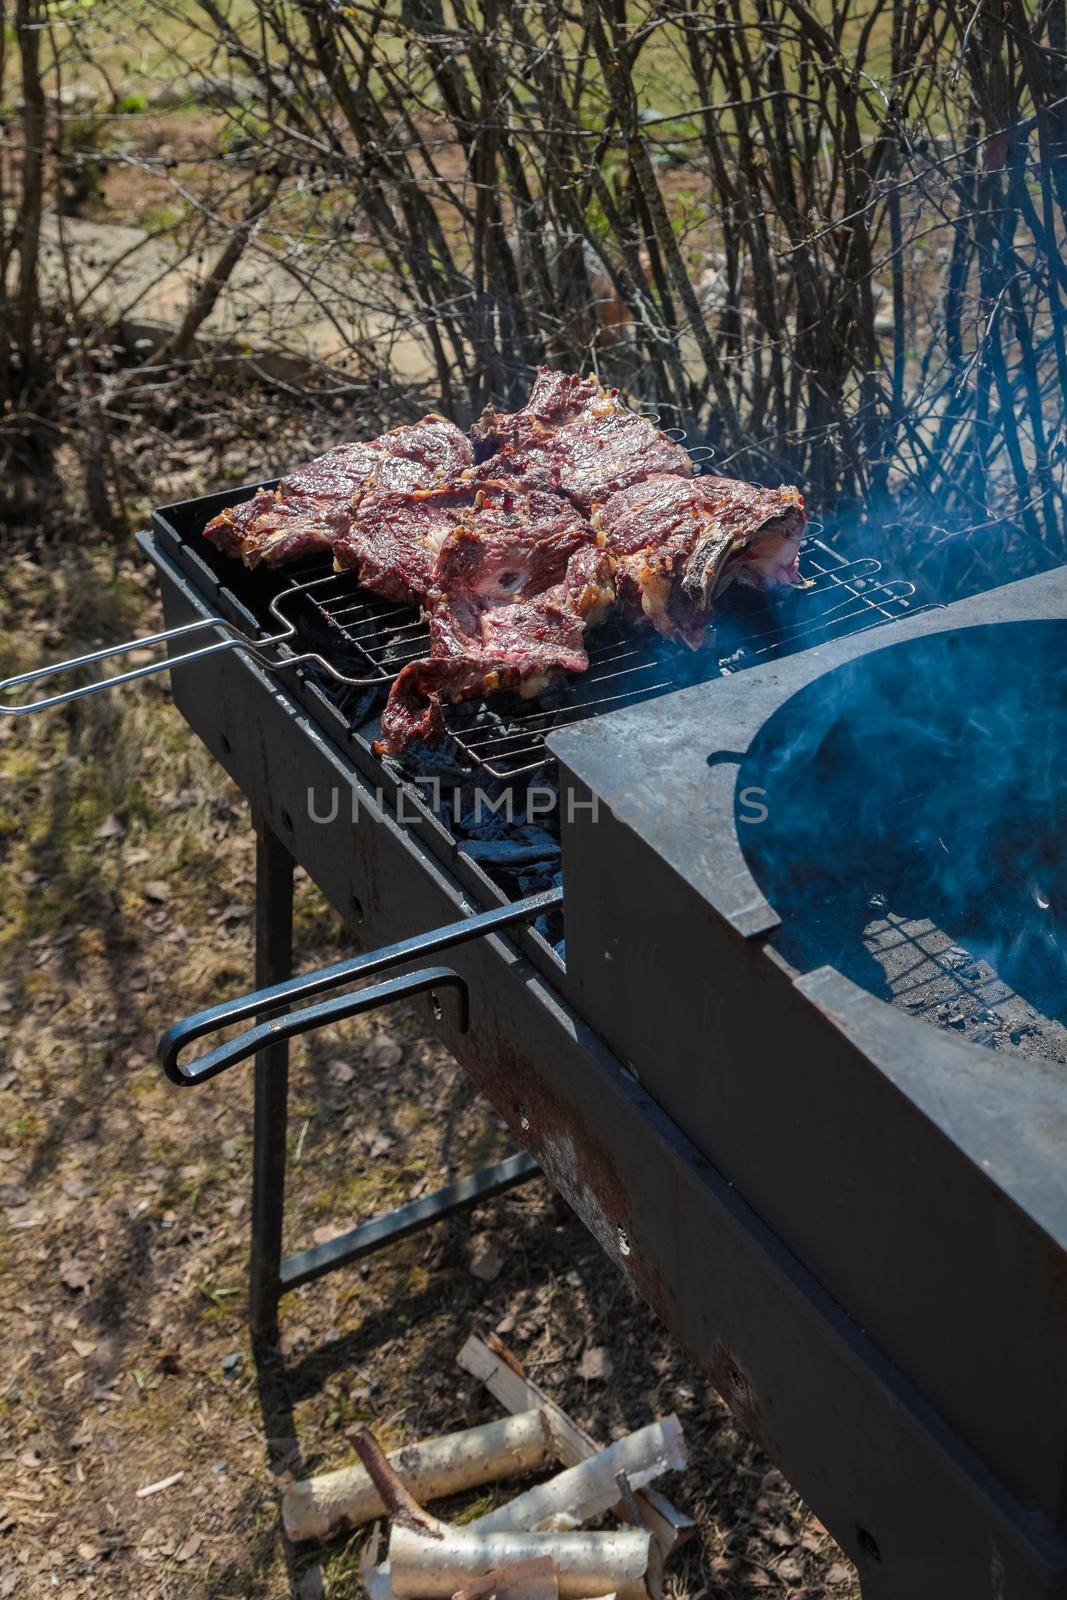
[827,240]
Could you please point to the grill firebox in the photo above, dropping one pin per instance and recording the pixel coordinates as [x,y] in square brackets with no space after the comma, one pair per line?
[918,1174]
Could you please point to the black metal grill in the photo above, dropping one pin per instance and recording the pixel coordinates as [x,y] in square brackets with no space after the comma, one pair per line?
[732,1126]
[627,662]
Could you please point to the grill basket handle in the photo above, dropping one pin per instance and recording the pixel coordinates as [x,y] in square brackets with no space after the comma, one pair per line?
[269,1006]
[38,674]
[273,1030]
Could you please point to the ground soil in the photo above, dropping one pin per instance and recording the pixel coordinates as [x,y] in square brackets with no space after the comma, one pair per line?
[126,876]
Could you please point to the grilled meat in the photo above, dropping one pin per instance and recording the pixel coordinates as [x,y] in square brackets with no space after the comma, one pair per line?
[432,450]
[392,540]
[482,646]
[576,437]
[515,543]
[307,510]
[313,507]
[574,502]
[489,537]
[677,544]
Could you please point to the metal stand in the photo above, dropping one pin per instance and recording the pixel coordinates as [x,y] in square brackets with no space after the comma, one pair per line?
[271,1275]
[274,961]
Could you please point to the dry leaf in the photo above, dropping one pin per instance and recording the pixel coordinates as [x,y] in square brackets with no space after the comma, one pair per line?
[75,1275]
[189,1547]
[790,1569]
[382,1053]
[376,1141]
[340,1072]
[595,1365]
[235,913]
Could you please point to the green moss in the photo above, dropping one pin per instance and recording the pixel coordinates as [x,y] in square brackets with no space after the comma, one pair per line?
[341,1570]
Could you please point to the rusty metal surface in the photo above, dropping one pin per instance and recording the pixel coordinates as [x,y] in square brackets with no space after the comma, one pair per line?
[922,1515]
[921,1178]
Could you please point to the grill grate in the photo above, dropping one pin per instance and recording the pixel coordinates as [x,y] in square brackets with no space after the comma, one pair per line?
[627,663]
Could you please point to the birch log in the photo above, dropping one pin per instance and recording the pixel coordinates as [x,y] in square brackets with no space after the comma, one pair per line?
[586,1491]
[501,1371]
[317,1507]
[626,1563]
[524,1580]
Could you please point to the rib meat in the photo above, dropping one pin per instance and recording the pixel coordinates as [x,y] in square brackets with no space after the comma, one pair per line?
[574,502]
[516,543]
[481,647]
[492,538]
[313,507]
[393,539]
[576,437]
[677,544]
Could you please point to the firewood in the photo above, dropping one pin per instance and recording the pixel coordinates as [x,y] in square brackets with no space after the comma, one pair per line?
[523,1580]
[502,1373]
[317,1507]
[430,1559]
[584,1492]
[626,1563]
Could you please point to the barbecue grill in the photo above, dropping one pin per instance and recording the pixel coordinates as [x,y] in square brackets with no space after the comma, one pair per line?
[850,1218]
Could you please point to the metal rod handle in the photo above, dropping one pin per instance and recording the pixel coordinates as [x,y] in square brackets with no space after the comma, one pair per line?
[277,996]
[276,1029]
[163,664]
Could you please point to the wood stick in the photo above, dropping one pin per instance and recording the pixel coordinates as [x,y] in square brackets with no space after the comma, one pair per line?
[495,1365]
[626,1563]
[397,1499]
[584,1492]
[523,1580]
[317,1507]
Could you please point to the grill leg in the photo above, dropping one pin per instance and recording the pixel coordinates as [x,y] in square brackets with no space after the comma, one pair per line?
[274,961]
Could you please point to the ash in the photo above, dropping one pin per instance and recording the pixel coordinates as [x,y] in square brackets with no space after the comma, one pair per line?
[927,973]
